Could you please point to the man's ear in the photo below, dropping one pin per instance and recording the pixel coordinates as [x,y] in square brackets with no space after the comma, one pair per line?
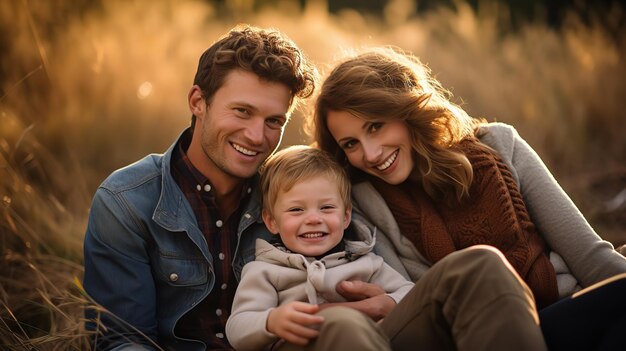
[197,103]
[348,217]
[269,221]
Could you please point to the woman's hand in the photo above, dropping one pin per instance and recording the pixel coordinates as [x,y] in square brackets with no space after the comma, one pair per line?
[295,322]
[368,298]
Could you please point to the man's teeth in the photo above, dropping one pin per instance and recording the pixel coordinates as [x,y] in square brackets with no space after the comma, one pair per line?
[244,150]
[312,235]
[388,163]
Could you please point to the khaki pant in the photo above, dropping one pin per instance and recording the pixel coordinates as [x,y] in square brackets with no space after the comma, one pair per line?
[470,300]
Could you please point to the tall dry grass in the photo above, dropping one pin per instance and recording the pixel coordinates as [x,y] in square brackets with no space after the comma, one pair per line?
[87,88]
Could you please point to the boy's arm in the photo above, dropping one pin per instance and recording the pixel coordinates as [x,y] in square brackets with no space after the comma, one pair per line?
[254,299]
[394,284]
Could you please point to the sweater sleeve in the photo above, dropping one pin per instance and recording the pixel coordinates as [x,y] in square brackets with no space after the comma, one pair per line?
[558,220]
[254,299]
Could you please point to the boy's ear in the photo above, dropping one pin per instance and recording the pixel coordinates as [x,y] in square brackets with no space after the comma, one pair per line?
[269,221]
[348,217]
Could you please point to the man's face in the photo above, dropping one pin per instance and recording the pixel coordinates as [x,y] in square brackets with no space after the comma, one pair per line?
[239,128]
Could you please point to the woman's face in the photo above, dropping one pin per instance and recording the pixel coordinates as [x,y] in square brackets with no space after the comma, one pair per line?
[382,149]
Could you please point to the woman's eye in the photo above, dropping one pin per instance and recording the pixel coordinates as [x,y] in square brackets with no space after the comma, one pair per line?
[375,126]
[348,144]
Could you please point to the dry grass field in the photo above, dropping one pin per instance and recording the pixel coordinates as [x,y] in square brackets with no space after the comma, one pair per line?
[85,89]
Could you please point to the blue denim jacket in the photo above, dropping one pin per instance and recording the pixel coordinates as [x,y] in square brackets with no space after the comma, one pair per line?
[146,260]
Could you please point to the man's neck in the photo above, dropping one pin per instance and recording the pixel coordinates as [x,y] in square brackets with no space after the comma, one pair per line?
[226,189]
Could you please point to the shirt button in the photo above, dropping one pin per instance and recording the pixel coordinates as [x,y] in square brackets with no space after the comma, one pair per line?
[224,286]
[247,215]
[173,277]
[207,188]
[221,256]
[220,335]
[249,190]
[218,312]
[219,223]
[198,187]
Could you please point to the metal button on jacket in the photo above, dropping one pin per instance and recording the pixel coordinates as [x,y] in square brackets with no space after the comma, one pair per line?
[173,277]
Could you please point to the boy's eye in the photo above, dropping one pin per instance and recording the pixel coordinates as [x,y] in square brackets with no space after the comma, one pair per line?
[328,207]
[294,209]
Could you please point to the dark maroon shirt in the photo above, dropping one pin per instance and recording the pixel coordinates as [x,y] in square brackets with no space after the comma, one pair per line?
[207,320]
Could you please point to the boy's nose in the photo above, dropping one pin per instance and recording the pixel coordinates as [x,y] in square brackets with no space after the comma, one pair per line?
[313,218]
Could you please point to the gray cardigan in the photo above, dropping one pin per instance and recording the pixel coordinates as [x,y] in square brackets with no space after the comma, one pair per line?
[579,256]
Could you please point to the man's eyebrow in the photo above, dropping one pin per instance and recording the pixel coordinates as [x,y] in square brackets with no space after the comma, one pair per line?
[244,105]
[255,109]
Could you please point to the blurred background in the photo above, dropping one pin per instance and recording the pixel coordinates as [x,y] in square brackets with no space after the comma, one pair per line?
[89,86]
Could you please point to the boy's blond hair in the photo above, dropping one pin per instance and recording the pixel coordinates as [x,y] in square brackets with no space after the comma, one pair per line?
[299,163]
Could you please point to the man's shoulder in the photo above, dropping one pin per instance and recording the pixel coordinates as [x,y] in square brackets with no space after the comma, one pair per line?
[135,175]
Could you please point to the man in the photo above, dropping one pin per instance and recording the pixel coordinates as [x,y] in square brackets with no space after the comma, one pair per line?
[167,234]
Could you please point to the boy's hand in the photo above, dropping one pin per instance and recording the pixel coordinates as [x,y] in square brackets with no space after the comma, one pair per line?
[295,322]
[367,298]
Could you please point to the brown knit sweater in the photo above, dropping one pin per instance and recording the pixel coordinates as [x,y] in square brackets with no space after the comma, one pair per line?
[494,214]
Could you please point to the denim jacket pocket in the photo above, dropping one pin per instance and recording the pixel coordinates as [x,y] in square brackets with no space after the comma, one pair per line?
[179,271]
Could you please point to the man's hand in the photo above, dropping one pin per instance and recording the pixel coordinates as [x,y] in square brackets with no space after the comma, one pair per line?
[365,297]
[294,322]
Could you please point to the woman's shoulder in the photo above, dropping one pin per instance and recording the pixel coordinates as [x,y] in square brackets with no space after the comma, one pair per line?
[496,130]
[501,137]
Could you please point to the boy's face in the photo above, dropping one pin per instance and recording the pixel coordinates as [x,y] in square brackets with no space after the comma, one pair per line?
[310,217]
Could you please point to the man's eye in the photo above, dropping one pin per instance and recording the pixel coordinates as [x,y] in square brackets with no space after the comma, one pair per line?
[275,122]
[242,111]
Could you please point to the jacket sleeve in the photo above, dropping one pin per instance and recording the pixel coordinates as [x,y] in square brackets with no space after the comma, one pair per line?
[118,276]
[395,285]
[558,220]
[256,296]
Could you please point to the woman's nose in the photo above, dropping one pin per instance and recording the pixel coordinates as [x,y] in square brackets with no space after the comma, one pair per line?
[372,152]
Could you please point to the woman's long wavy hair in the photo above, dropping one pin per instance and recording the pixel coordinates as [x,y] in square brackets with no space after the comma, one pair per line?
[383,84]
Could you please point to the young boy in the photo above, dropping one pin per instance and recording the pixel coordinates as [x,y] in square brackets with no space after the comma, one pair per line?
[306,201]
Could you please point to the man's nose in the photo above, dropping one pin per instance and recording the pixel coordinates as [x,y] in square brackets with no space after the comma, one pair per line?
[255,131]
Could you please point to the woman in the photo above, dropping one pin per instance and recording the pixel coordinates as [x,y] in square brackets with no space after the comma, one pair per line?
[433,180]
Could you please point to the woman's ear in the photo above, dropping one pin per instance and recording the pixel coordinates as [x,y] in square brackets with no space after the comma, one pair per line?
[269,221]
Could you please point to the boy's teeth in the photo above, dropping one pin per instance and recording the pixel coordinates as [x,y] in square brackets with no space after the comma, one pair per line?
[244,150]
[312,235]
[388,163]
